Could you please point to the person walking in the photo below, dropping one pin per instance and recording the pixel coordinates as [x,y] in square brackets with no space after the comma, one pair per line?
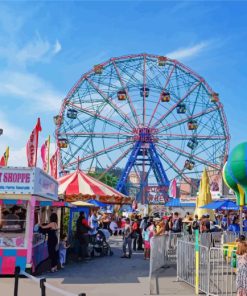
[52,242]
[196,223]
[177,223]
[135,233]
[82,234]
[146,237]
[127,240]
[241,279]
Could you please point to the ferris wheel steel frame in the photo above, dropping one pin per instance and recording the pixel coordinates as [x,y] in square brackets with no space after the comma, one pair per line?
[145,135]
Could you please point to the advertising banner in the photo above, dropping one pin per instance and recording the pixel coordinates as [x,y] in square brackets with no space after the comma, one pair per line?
[156,194]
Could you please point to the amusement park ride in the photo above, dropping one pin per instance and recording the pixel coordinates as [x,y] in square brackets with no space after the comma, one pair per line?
[146,114]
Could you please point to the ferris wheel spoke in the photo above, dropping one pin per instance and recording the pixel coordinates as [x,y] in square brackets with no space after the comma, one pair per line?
[186,154]
[186,119]
[122,156]
[164,88]
[144,87]
[172,165]
[70,155]
[97,135]
[199,137]
[98,153]
[118,110]
[190,91]
[132,108]
[93,114]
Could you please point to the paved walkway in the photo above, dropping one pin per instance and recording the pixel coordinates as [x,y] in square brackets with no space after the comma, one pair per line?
[104,276]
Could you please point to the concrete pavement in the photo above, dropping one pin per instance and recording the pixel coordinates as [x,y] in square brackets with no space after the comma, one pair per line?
[106,276]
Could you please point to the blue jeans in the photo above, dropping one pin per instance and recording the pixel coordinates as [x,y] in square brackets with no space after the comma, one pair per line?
[127,241]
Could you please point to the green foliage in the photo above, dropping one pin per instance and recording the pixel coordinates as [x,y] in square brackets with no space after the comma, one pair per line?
[107,179]
[66,220]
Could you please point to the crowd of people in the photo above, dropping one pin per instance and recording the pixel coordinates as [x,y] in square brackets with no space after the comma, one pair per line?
[136,231]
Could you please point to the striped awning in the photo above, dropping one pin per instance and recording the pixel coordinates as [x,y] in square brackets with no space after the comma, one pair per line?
[80,186]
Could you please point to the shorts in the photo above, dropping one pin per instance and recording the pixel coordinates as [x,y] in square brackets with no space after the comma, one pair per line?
[146,244]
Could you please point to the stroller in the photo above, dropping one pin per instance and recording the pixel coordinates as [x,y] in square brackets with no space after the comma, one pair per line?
[100,243]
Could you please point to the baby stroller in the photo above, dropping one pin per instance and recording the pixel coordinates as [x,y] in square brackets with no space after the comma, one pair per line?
[100,244]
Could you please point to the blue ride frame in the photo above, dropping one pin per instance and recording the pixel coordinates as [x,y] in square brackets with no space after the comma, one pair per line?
[145,148]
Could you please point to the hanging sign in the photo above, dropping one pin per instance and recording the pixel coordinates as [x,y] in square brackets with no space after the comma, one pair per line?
[27,181]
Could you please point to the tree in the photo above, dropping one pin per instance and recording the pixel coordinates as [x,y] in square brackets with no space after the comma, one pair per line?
[107,178]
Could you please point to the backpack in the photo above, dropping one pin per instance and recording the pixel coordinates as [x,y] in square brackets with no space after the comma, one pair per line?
[195,225]
[177,225]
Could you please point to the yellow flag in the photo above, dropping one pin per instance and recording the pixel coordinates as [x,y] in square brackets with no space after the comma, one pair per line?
[6,156]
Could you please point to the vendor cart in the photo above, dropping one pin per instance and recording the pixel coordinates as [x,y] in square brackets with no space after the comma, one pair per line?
[27,197]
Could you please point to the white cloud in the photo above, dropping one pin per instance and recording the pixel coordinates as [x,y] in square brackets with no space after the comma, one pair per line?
[17,157]
[187,51]
[57,47]
[37,50]
[11,132]
[37,93]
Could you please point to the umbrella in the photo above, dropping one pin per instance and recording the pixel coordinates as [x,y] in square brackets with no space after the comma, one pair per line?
[81,203]
[222,205]
[204,197]
[97,203]
[80,186]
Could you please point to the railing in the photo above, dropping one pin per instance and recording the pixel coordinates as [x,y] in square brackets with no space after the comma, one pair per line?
[163,252]
[179,248]
[186,264]
[221,274]
[42,284]
[216,275]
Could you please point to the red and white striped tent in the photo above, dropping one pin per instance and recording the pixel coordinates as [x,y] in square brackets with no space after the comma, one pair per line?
[79,186]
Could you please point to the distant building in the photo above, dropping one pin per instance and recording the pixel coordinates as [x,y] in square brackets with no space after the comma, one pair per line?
[134,178]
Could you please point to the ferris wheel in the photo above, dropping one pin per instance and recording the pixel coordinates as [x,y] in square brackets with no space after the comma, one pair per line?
[145,115]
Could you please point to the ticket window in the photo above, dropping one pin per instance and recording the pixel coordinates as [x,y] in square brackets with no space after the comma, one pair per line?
[13,222]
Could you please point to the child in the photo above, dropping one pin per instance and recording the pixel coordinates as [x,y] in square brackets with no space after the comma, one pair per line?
[241,278]
[63,246]
[146,237]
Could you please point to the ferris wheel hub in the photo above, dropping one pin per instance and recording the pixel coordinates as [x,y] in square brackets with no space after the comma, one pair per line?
[145,134]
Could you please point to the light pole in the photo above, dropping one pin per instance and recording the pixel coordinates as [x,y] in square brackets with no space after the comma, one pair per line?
[1,131]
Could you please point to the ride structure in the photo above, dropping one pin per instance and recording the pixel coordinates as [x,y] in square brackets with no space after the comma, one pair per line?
[148,115]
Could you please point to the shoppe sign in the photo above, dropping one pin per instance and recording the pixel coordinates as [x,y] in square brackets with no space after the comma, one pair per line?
[25,181]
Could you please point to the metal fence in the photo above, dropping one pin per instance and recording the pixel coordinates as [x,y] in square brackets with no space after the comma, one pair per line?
[186,264]
[163,252]
[214,267]
[216,275]
[221,274]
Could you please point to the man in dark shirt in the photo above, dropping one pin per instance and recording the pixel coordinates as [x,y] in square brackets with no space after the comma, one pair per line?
[82,234]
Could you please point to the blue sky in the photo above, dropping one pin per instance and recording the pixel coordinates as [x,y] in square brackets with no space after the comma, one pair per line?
[46,46]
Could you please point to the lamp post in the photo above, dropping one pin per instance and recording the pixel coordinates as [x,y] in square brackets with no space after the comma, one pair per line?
[1,131]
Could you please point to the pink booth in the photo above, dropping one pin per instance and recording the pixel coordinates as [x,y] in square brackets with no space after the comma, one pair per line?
[27,197]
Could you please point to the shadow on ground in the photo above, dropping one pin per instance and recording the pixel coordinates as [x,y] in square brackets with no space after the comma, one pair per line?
[108,269]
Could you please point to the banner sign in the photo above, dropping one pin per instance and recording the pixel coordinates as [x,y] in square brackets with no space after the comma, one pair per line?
[156,194]
[31,181]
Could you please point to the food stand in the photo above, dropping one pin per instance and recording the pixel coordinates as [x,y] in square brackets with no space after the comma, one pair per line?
[27,197]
